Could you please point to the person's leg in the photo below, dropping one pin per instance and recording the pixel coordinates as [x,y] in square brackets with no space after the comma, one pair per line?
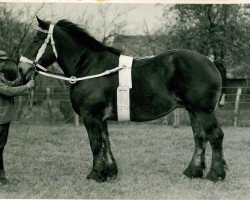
[4,130]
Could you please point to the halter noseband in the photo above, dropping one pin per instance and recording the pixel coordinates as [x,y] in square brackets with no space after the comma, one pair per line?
[42,48]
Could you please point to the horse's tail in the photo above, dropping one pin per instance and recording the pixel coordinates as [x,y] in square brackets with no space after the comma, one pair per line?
[223,73]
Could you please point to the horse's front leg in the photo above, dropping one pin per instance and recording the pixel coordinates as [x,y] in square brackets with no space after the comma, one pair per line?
[111,167]
[93,125]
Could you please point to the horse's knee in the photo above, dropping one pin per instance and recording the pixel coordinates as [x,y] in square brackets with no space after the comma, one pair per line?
[200,139]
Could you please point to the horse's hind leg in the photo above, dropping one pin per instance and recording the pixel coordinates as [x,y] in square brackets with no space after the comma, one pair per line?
[111,167]
[197,164]
[215,136]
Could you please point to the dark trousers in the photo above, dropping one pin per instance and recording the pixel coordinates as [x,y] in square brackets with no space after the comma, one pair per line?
[4,130]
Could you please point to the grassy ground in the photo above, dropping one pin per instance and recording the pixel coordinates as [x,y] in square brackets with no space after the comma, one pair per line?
[53,162]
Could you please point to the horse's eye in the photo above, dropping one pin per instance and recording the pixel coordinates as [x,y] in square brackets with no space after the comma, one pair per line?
[36,41]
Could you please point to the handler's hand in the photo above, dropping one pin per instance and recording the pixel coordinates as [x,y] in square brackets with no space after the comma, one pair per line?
[30,84]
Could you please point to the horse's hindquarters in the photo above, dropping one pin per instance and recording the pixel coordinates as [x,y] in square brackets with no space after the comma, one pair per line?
[161,83]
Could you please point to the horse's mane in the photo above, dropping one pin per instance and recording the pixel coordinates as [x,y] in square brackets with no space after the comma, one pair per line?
[84,37]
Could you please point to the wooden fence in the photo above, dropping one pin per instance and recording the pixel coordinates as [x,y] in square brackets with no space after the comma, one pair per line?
[237,102]
[236,97]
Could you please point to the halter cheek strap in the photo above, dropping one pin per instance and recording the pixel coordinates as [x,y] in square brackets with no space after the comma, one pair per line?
[51,28]
[49,38]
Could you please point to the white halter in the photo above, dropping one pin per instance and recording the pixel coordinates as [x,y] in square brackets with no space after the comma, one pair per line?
[41,51]
[42,48]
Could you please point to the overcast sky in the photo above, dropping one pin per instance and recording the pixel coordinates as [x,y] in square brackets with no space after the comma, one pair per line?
[150,13]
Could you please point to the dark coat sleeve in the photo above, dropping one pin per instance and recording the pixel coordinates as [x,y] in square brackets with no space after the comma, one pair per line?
[16,82]
[13,91]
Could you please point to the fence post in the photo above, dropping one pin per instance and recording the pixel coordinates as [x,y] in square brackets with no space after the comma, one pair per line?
[76,118]
[236,110]
[222,100]
[165,120]
[49,104]
[176,118]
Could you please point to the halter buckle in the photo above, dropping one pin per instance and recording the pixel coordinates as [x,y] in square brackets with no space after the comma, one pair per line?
[73,80]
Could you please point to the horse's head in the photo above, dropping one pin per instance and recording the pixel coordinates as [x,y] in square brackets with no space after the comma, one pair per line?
[41,52]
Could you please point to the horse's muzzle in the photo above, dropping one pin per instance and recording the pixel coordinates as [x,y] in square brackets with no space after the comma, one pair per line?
[26,71]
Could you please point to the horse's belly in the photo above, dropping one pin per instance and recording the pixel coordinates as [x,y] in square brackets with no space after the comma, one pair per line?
[149,105]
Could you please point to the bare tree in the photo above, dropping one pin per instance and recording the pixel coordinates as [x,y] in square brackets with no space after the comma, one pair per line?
[112,21]
[14,32]
[85,21]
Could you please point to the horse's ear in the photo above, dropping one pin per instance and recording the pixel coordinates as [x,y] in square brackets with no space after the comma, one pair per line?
[41,23]
[38,19]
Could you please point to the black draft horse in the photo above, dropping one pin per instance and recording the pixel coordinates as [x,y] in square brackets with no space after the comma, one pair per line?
[175,78]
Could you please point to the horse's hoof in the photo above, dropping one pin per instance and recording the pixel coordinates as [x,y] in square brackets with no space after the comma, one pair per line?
[112,172]
[96,177]
[111,176]
[193,172]
[216,176]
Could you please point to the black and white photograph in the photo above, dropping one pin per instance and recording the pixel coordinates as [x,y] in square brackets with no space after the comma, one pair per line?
[129,99]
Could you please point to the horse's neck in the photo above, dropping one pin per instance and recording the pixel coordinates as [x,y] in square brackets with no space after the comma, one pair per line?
[75,59]
[68,59]
[84,62]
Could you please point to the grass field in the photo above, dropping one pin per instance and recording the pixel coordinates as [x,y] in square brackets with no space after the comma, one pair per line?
[53,162]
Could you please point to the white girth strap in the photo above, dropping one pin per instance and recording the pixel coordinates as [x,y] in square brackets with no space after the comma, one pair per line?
[123,90]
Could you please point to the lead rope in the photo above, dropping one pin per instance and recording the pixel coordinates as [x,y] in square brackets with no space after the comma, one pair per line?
[29,107]
[73,79]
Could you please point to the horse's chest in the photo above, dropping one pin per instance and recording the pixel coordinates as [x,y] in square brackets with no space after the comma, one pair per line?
[78,94]
[89,93]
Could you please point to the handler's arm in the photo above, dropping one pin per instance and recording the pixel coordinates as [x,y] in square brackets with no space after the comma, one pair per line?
[17,82]
[13,91]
